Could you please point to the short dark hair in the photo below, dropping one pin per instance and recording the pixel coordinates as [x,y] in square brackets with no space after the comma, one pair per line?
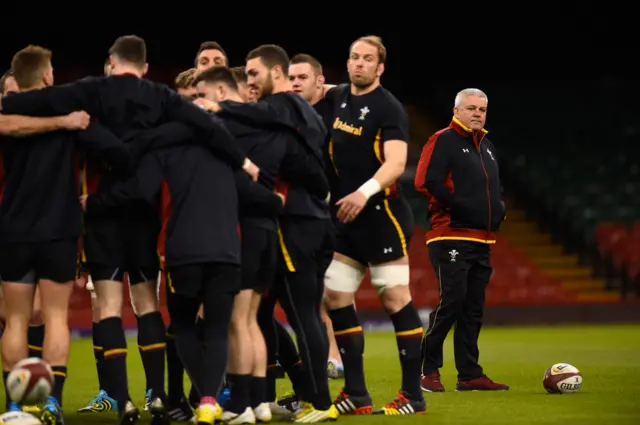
[218,74]
[305,58]
[131,49]
[271,55]
[3,80]
[29,64]
[211,45]
[239,74]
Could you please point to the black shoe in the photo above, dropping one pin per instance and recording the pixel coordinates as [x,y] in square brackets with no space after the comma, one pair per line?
[129,414]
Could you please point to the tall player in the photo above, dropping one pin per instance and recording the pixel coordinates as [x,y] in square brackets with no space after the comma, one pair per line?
[368,150]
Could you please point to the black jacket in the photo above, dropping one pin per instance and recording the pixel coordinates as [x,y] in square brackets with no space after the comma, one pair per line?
[306,129]
[41,187]
[458,172]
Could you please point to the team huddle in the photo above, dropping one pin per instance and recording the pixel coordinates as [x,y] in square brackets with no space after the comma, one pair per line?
[246,187]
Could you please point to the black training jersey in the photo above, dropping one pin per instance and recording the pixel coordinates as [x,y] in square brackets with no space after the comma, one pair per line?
[40,202]
[360,127]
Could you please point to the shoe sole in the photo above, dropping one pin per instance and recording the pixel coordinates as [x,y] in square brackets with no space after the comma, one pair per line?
[432,390]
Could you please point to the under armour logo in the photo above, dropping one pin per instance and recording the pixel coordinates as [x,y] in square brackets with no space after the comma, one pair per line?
[388,250]
[490,154]
[465,150]
[453,254]
[344,105]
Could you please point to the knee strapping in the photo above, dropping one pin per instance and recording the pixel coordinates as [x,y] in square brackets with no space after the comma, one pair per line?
[342,277]
[389,276]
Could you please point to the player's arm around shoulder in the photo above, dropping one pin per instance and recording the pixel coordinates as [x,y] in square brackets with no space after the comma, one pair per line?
[23,126]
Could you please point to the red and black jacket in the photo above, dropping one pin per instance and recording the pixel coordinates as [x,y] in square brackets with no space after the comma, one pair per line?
[458,172]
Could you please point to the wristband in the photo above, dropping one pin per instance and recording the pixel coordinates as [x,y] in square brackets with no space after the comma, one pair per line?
[246,164]
[370,188]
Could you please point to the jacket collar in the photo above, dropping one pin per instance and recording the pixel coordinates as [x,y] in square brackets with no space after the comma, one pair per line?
[466,131]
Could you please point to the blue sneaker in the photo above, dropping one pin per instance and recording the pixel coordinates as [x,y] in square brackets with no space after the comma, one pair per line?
[14,407]
[224,397]
[51,412]
[100,403]
[147,400]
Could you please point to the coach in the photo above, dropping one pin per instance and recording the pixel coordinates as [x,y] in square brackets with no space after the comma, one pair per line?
[463,226]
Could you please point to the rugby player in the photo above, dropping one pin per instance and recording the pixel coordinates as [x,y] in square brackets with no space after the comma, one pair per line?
[40,188]
[368,150]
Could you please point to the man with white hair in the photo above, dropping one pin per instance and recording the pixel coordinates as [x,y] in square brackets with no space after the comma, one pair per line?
[463,226]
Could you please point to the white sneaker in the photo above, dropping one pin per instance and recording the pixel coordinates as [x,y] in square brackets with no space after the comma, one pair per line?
[232,418]
[263,412]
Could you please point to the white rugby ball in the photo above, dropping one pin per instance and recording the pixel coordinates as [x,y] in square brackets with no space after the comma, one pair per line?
[30,381]
[562,378]
[18,418]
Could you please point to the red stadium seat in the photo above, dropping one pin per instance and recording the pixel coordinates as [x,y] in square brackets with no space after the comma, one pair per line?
[607,235]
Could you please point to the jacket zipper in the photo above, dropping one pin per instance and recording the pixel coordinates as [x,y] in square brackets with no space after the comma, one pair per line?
[486,175]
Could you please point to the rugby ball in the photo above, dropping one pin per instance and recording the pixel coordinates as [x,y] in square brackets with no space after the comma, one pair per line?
[562,378]
[30,381]
[18,418]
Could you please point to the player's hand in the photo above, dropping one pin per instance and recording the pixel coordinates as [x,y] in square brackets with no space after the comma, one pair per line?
[207,104]
[253,171]
[281,196]
[83,202]
[350,206]
[78,120]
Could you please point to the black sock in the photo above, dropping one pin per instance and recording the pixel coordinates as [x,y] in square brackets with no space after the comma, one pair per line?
[35,338]
[114,346]
[152,344]
[98,354]
[350,340]
[408,327]
[257,394]
[240,393]
[7,399]
[175,370]
[59,377]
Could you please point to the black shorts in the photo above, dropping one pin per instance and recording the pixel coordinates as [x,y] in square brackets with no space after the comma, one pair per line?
[30,262]
[305,243]
[192,280]
[380,234]
[259,257]
[115,247]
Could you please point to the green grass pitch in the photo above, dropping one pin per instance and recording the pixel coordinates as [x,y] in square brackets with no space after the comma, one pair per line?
[607,356]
